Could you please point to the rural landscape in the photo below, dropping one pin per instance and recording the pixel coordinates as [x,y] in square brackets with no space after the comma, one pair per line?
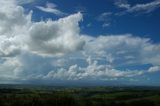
[29,95]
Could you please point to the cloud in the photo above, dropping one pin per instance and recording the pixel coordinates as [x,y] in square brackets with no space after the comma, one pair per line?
[51,8]
[101,59]
[143,8]
[92,72]
[12,18]
[117,48]
[43,38]
[106,25]
[122,4]
[18,34]
[21,2]
[154,69]
[8,47]
[56,37]
[105,18]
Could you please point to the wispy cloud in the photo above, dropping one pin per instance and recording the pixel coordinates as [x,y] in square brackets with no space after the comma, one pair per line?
[25,1]
[51,8]
[122,4]
[105,18]
[142,8]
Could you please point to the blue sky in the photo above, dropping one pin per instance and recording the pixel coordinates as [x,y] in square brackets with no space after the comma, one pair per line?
[147,24]
[107,42]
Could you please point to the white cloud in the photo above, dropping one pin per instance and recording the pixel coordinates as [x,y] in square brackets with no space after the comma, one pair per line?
[8,47]
[104,53]
[121,46]
[154,69]
[25,1]
[19,34]
[92,72]
[122,4]
[51,8]
[105,18]
[148,7]
[144,8]
[106,25]
[12,18]
[46,38]
[56,37]
[101,57]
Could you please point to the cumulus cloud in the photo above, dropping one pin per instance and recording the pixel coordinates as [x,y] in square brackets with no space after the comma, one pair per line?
[92,72]
[118,48]
[144,8]
[51,8]
[8,47]
[104,53]
[12,18]
[19,34]
[51,37]
[56,37]
[101,58]
[154,69]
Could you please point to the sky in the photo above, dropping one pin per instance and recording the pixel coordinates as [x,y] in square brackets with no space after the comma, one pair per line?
[79,42]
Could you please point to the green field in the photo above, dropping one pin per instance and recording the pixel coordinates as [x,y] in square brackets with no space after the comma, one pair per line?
[77,96]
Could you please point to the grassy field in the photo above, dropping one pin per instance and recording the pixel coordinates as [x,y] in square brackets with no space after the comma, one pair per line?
[76,96]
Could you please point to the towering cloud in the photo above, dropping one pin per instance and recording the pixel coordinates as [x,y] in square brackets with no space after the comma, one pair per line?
[56,37]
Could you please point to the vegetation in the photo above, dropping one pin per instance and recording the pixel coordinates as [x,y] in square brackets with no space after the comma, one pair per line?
[99,96]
